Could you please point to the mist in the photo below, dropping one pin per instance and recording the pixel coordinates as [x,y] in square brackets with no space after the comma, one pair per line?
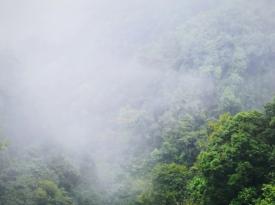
[73,65]
[110,79]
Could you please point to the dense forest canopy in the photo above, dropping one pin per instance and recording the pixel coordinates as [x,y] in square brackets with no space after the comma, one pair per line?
[137,103]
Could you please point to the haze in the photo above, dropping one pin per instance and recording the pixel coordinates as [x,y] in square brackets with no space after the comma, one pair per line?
[76,76]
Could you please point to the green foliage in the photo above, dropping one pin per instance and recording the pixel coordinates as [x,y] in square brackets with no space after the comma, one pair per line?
[222,61]
[68,176]
[239,158]
[228,46]
[48,193]
[30,178]
[183,143]
[168,185]
[196,189]
[268,196]
[245,196]
[237,163]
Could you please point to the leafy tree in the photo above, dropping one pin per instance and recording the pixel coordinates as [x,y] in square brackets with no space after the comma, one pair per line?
[168,185]
[184,143]
[48,193]
[239,158]
[268,196]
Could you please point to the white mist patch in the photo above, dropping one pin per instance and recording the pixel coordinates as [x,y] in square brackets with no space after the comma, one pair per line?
[78,67]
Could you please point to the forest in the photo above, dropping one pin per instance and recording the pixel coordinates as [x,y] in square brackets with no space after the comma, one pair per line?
[137,103]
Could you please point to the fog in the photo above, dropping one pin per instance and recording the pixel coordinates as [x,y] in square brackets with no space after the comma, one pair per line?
[72,65]
[70,68]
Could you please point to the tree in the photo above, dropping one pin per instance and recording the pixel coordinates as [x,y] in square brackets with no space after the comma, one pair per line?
[48,193]
[268,196]
[239,158]
[168,185]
